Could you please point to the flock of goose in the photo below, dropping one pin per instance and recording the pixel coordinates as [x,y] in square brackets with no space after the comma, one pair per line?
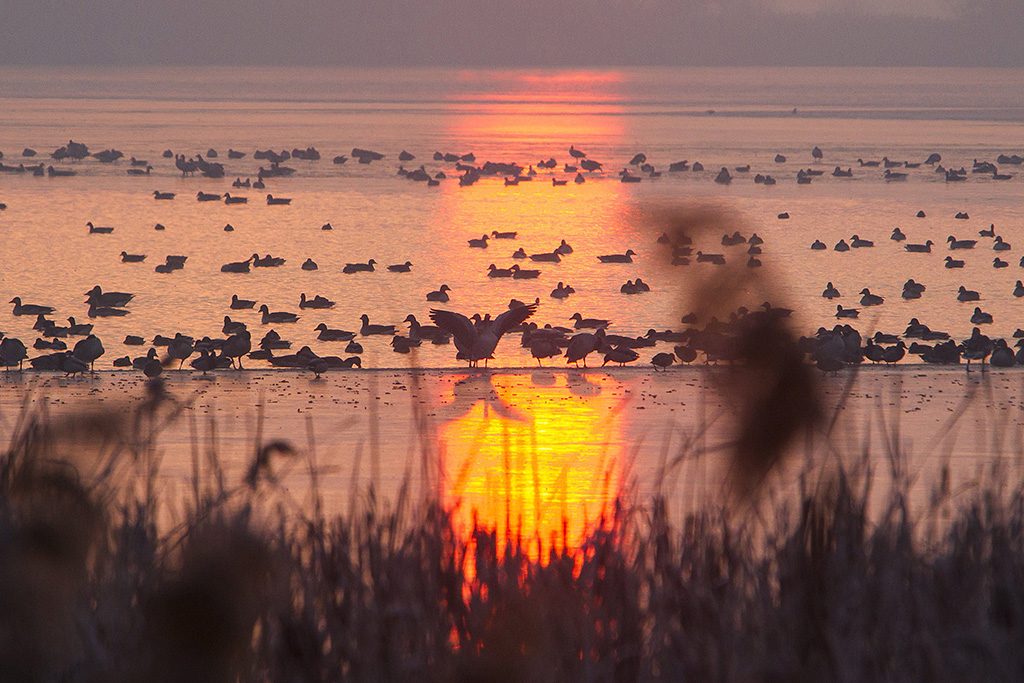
[476,337]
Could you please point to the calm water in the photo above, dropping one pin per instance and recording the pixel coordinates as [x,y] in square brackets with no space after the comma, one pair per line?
[521,116]
[543,445]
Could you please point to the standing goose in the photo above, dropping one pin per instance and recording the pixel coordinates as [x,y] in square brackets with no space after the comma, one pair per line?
[88,350]
[237,346]
[476,342]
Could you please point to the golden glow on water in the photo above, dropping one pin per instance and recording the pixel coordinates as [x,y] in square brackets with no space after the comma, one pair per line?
[538,458]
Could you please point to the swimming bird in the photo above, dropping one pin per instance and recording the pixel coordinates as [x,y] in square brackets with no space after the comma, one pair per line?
[163,196]
[98,230]
[503,235]
[267,261]
[846,312]
[897,235]
[618,258]
[400,267]
[98,297]
[1000,245]
[545,257]
[309,264]
[277,316]
[925,248]
[980,317]
[368,330]
[241,304]
[418,331]
[359,267]
[564,248]
[954,243]
[327,334]
[228,199]
[132,258]
[477,341]
[841,245]
[479,243]
[869,299]
[1018,289]
[857,243]
[818,245]
[964,294]
[830,292]
[30,309]
[76,329]
[317,301]
[236,266]
[494,271]
[277,201]
[523,274]
[999,263]
[440,295]
[583,323]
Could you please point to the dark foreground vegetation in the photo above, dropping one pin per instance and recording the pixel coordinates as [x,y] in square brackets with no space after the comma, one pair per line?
[242,585]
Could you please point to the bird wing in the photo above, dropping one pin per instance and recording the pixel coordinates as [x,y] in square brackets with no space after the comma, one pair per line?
[511,318]
[458,325]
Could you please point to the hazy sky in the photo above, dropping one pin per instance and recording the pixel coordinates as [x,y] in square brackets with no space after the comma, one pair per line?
[513,32]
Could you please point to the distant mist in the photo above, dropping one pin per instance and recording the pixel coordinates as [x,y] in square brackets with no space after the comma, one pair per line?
[513,32]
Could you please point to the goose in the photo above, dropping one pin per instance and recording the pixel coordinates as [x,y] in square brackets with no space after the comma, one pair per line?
[563,248]
[519,253]
[160,340]
[561,291]
[841,245]
[869,299]
[521,274]
[999,263]
[42,323]
[98,230]
[546,257]
[840,173]
[818,245]
[980,317]
[277,201]
[891,176]
[300,359]
[106,312]
[846,312]
[1018,289]
[309,264]
[122,362]
[228,199]
[368,330]
[542,347]
[207,361]
[76,329]
[503,235]
[925,248]
[400,344]
[954,243]
[258,184]
[716,259]
[754,262]
[12,352]
[618,258]
[953,263]
[236,266]
[477,341]
[964,294]
[620,355]
[557,182]
[97,296]
[418,331]
[163,196]
[642,286]
[440,295]
[353,347]
[316,302]
[1000,245]
[990,231]
[132,258]
[236,346]
[267,261]
[494,271]
[241,304]
[400,267]
[857,243]
[207,197]
[30,309]
[582,345]
[894,354]
[583,323]
[1002,355]
[479,243]
[869,164]
[88,350]
[830,292]
[180,349]
[897,235]
[662,360]
[55,345]
[327,334]
[133,340]
[71,364]
[359,267]
[628,288]
[277,316]
[139,171]
[976,347]
[579,179]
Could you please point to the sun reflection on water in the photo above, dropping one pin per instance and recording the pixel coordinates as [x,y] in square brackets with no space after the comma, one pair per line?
[536,458]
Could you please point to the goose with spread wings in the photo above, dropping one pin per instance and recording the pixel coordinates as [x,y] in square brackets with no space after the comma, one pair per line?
[476,342]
